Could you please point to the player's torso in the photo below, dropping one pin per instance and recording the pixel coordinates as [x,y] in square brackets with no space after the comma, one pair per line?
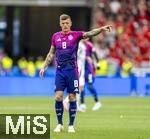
[65,42]
[66,48]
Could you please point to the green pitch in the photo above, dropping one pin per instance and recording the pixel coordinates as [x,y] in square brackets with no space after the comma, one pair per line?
[119,118]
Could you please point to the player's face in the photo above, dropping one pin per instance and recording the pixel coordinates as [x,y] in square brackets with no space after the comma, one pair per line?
[65,25]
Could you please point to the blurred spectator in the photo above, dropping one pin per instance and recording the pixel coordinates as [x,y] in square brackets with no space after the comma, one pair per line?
[38,64]
[31,69]
[103,67]
[129,42]
[113,66]
[126,67]
[22,64]
[115,6]
[7,64]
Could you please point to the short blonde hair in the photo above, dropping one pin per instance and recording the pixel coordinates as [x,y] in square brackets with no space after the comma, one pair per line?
[64,17]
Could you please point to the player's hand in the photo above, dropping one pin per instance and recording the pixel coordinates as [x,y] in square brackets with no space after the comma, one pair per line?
[41,73]
[107,28]
[98,67]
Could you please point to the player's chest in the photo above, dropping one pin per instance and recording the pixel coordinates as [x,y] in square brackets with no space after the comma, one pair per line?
[65,42]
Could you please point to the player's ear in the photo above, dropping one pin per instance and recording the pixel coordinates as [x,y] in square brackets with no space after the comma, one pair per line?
[60,22]
[70,23]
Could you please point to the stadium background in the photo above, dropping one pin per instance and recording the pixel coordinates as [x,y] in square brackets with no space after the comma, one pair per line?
[26,27]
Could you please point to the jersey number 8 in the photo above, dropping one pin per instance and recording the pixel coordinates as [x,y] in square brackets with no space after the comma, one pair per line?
[64,45]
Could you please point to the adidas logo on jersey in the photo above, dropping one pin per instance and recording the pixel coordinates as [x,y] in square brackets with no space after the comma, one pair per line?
[76,90]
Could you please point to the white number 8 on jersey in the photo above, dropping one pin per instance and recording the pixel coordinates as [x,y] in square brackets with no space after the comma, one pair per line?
[64,45]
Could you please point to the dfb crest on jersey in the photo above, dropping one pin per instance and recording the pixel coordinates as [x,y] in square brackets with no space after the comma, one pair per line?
[70,37]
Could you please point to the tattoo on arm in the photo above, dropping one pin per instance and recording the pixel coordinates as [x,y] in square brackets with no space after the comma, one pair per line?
[49,57]
[92,33]
[97,31]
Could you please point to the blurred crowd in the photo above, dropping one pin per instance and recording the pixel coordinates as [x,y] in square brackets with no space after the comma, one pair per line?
[24,67]
[125,47]
[128,45]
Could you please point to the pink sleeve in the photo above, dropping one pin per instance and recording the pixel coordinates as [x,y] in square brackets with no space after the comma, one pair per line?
[53,41]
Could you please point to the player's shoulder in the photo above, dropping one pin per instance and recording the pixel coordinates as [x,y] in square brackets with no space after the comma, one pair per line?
[76,32]
[57,33]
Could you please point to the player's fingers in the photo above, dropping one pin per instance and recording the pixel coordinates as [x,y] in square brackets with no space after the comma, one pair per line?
[109,28]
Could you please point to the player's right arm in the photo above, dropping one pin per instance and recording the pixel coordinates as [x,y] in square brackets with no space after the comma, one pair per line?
[48,60]
[97,31]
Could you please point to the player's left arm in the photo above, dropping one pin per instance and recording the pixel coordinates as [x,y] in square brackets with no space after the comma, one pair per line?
[97,31]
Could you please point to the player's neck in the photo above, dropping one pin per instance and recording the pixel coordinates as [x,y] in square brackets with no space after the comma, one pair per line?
[66,32]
